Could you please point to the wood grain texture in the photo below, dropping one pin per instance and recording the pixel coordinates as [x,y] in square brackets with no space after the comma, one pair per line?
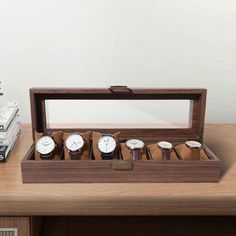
[100,171]
[21,223]
[122,199]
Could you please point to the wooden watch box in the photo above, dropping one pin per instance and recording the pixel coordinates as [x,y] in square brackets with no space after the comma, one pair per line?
[122,171]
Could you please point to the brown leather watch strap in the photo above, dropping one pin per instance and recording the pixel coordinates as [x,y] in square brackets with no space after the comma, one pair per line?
[136,154]
[195,153]
[46,156]
[75,155]
[166,154]
[107,156]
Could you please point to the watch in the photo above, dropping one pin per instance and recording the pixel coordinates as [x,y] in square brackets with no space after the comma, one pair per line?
[195,149]
[106,145]
[45,146]
[74,144]
[166,148]
[136,146]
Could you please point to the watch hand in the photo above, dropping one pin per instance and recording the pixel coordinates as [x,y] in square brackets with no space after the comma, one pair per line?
[134,143]
[106,146]
[46,143]
[77,144]
[106,141]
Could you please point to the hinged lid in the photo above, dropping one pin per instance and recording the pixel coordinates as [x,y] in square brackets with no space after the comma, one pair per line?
[197,98]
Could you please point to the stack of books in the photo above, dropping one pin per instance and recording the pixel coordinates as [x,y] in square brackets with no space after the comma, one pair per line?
[9,128]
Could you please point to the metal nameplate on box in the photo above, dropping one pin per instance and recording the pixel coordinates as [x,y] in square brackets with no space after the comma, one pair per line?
[121,165]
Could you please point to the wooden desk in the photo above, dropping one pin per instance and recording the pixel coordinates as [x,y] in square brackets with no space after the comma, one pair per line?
[17,199]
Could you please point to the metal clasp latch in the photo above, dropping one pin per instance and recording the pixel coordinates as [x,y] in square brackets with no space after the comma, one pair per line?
[120,89]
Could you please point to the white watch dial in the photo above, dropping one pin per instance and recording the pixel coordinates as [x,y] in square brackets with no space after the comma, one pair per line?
[45,145]
[193,144]
[135,144]
[106,144]
[74,142]
[165,145]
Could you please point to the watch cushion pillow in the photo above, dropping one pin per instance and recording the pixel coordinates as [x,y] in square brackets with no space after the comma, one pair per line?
[85,154]
[185,152]
[126,153]
[156,153]
[96,152]
[57,137]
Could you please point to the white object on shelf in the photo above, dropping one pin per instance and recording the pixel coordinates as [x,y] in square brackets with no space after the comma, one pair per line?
[7,112]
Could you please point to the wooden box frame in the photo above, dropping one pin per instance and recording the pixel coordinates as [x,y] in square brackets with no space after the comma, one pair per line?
[101,171]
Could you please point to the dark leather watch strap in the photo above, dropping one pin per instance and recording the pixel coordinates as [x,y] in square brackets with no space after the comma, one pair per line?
[106,156]
[102,135]
[136,154]
[46,156]
[75,155]
[166,154]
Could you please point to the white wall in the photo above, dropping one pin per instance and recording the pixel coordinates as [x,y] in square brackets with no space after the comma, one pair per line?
[156,43]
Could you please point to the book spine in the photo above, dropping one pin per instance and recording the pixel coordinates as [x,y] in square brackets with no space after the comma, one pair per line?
[7,134]
[5,150]
[3,135]
[3,153]
[4,126]
[6,142]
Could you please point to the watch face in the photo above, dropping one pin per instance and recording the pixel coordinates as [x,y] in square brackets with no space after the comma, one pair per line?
[45,145]
[165,145]
[135,144]
[74,142]
[193,144]
[106,144]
